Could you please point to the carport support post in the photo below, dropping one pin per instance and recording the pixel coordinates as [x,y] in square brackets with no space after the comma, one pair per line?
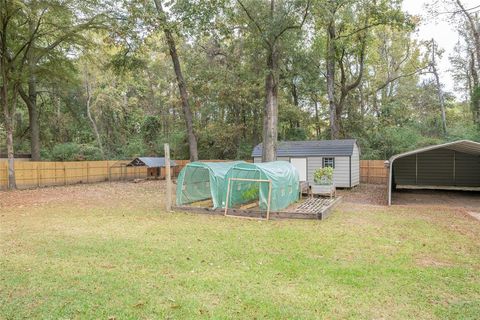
[168,178]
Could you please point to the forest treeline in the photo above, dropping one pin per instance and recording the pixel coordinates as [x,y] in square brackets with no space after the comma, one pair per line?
[100,79]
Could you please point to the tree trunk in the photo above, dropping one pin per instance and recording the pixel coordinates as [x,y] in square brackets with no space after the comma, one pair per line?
[441,99]
[475,92]
[34,131]
[187,112]
[88,92]
[475,31]
[32,97]
[330,57]
[8,112]
[270,120]
[296,103]
[31,102]
[317,119]
[12,184]
[295,94]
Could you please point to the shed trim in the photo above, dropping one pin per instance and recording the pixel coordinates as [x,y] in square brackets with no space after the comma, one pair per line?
[350,170]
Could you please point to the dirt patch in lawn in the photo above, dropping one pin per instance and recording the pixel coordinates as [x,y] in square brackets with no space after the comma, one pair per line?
[475,215]
[84,194]
[461,199]
[373,194]
[463,202]
[431,262]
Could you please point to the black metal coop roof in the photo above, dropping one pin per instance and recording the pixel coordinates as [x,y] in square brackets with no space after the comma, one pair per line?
[150,162]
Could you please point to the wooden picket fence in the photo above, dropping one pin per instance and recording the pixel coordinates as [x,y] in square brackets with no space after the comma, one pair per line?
[373,171]
[30,174]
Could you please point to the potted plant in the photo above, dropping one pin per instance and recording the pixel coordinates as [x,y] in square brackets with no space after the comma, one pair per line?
[323,181]
[323,176]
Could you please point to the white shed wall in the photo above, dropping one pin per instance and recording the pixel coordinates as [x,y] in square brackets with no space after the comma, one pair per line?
[341,173]
[313,163]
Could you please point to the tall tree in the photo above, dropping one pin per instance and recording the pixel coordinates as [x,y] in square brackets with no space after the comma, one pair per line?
[469,28]
[434,71]
[51,25]
[187,111]
[271,24]
[87,81]
[12,55]
[347,25]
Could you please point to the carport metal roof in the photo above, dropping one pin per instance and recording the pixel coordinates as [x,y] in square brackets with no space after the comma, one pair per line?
[465,146]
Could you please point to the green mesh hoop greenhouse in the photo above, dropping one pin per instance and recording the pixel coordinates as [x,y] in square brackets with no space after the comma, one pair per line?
[200,181]
[246,182]
[252,181]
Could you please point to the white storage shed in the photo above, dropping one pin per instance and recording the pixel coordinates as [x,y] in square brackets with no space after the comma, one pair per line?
[307,156]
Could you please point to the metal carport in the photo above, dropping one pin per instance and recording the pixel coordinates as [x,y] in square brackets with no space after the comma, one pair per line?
[449,166]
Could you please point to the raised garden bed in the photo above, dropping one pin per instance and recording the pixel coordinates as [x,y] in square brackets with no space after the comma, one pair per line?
[309,208]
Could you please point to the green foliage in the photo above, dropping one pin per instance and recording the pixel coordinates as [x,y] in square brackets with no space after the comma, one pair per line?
[244,151]
[323,175]
[150,128]
[135,102]
[392,140]
[295,134]
[65,152]
[134,148]
[251,193]
[74,152]
[475,100]
[218,141]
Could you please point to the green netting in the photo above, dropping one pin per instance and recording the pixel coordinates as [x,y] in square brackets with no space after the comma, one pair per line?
[284,178]
[203,180]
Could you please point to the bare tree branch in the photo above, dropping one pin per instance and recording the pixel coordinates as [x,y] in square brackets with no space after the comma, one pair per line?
[255,22]
[304,18]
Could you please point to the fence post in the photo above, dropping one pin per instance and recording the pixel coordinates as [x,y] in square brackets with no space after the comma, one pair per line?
[368,171]
[38,174]
[6,175]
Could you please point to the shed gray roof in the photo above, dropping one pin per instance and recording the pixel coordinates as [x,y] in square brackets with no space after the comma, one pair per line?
[311,148]
[151,162]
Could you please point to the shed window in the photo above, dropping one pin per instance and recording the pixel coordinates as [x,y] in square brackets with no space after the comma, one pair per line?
[328,162]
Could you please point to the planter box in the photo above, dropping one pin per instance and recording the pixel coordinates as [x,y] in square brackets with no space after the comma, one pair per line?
[325,189]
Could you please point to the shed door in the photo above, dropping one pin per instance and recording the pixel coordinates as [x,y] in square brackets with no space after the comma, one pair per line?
[301,165]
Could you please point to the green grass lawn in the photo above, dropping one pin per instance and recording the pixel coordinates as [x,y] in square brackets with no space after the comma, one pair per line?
[95,252]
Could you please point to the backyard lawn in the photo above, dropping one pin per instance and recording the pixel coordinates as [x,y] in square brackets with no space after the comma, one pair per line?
[110,251]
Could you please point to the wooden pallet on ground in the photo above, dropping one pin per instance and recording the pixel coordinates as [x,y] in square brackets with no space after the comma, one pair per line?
[313,205]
